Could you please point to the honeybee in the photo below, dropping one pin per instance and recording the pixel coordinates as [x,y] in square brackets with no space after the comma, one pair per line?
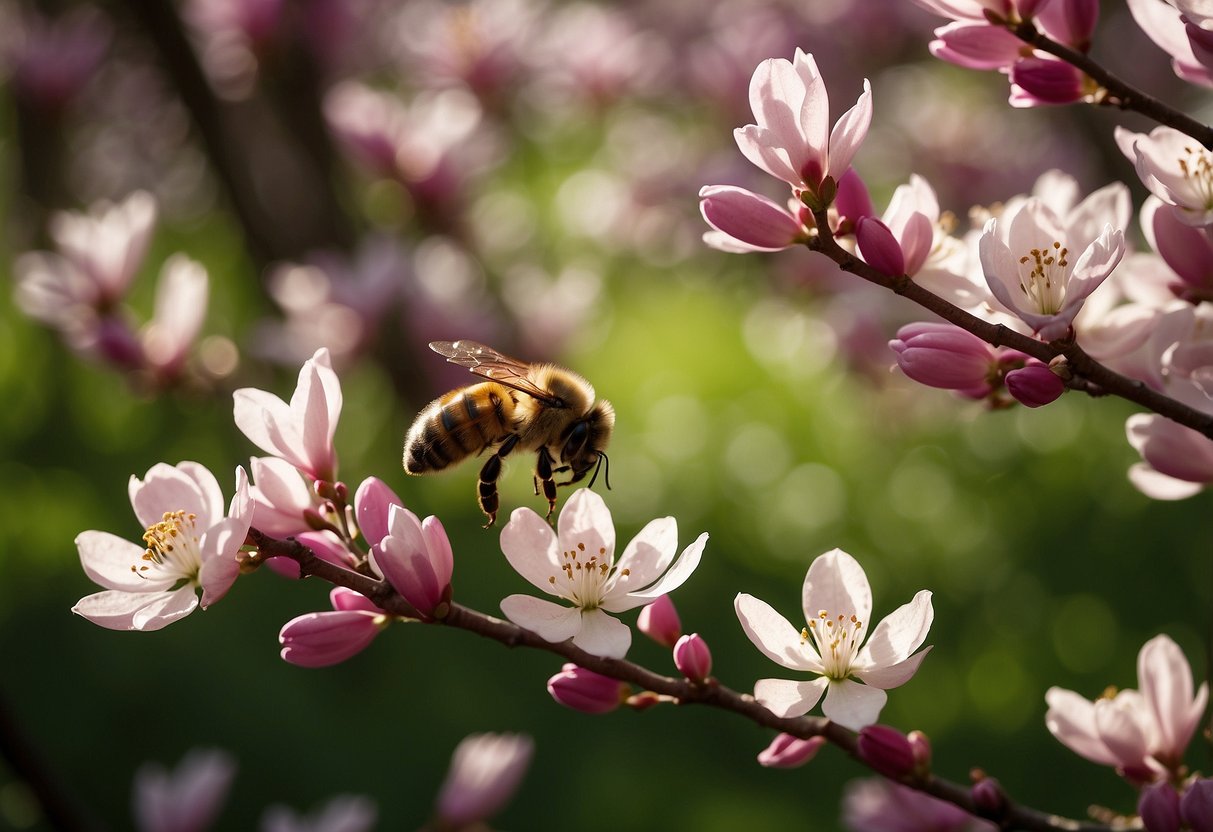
[522,407]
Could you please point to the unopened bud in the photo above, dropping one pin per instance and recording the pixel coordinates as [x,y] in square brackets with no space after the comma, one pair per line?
[1196,806]
[886,750]
[586,691]
[879,247]
[659,621]
[988,796]
[693,658]
[787,751]
[1159,808]
[645,699]
[1034,385]
[920,744]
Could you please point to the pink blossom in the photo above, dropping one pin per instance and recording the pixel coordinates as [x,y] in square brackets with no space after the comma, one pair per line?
[790,140]
[108,243]
[190,542]
[321,639]
[373,502]
[1177,462]
[1188,250]
[745,221]
[343,813]
[181,298]
[486,770]
[693,658]
[837,604]
[1031,269]
[788,751]
[1175,168]
[415,557]
[659,621]
[879,805]
[948,357]
[300,432]
[187,799]
[1142,734]
[1196,805]
[577,563]
[1036,81]
[586,691]
[281,495]
[1165,26]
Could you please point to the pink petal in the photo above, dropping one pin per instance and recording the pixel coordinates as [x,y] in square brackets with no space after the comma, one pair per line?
[1159,486]
[186,486]
[787,698]
[486,770]
[850,131]
[281,496]
[107,559]
[347,599]
[261,417]
[438,547]
[549,621]
[1165,680]
[813,100]
[219,545]
[372,503]
[976,45]
[1071,719]
[837,584]
[759,223]
[586,520]
[530,545]
[603,635]
[771,633]
[757,145]
[321,639]
[916,241]
[317,405]
[853,705]
[189,798]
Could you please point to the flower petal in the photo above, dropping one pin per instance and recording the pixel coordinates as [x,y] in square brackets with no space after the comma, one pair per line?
[836,583]
[771,633]
[675,577]
[1165,679]
[137,610]
[900,633]
[603,635]
[788,698]
[1071,719]
[530,545]
[187,486]
[109,560]
[549,621]
[649,553]
[585,519]
[853,705]
[891,676]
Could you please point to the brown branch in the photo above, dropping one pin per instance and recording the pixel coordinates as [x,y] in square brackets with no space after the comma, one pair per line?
[1088,375]
[1122,94]
[1010,816]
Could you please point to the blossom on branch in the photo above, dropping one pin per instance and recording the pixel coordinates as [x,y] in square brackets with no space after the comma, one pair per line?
[187,798]
[1175,168]
[577,563]
[837,604]
[415,557]
[190,542]
[744,221]
[300,432]
[486,770]
[321,639]
[1163,24]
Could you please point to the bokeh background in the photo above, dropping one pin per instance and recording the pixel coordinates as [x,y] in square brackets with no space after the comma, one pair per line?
[538,194]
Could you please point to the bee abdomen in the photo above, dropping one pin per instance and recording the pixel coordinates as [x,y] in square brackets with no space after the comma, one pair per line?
[454,427]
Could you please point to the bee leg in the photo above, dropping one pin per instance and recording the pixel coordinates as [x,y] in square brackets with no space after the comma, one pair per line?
[543,473]
[487,487]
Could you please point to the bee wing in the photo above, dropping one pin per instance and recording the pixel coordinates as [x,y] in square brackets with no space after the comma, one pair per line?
[495,366]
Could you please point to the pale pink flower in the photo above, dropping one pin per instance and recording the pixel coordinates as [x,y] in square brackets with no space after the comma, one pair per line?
[837,604]
[1164,25]
[181,298]
[321,639]
[1187,249]
[744,221]
[1032,270]
[108,243]
[1175,168]
[1177,462]
[415,557]
[190,542]
[879,805]
[281,496]
[1142,734]
[343,813]
[486,770]
[787,751]
[792,140]
[187,799]
[300,432]
[577,563]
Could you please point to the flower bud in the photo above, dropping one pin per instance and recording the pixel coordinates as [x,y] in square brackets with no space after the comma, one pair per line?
[853,201]
[787,751]
[416,559]
[879,247]
[1159,808]
[693,658]
[1196,806]
[1046,81]
[920,744]
[945,356]
[1071,21]
[372,502]
[586,691]
[1034,385]
[320,639]
[659,621]
[886,750]
[758,222]
[988,795]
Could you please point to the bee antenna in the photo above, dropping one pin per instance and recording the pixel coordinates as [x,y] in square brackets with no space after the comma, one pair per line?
[602,457]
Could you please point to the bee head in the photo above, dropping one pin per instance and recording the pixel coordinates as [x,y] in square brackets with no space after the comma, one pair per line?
[585,441]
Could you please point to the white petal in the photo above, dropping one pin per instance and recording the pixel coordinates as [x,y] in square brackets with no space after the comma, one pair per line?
[675,577]
[586,520]
[187,487]
[850,131]
[107,559]
[900,633]
[137,610]
[549,621]
[1158,486]
[1071,719]
[603,635]
[771,633]
[529,544]
[853,705]
[649,553]
[254,411]
[787,698]
[886,677]
[837,584]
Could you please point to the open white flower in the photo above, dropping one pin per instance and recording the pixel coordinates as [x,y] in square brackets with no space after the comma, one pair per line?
[577,563]
[837,602]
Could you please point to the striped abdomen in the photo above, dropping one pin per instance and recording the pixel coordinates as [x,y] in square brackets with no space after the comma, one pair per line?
[457,425]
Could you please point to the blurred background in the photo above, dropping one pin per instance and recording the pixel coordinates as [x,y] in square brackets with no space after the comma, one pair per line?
[369,176]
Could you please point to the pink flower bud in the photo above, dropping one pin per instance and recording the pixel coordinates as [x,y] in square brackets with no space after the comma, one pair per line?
[920,744]
[853,201]
[879,247]
[659,621]
[1046,81]
[586,691]
[1159,808]
[117,344]
[886,750]
[1187,250]
[372,502]
[1197,806]
[692,657]
[417,561]
[945,356]
[756,222]
[1071,21]
[988,796]
[787,751]
[320,639]
[1034,385]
